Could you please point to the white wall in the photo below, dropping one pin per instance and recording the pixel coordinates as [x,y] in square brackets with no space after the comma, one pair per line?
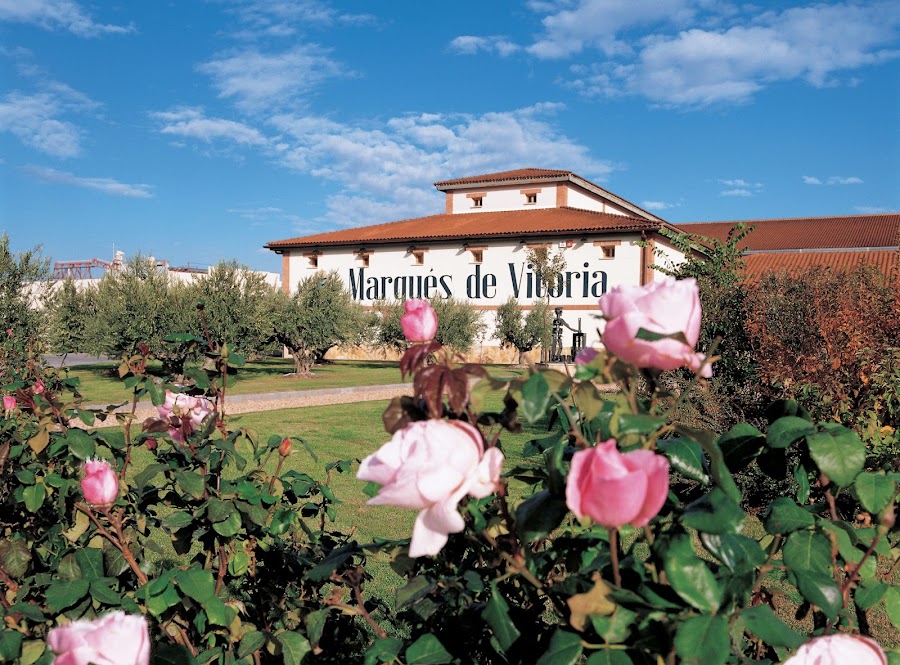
[505,198]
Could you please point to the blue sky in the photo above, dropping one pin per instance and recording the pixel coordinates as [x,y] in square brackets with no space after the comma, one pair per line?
[197,131]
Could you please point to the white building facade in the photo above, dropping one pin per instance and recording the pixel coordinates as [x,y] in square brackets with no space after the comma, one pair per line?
[476,250]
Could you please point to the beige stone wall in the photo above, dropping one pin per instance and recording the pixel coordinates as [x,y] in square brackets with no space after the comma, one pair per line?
[486,354]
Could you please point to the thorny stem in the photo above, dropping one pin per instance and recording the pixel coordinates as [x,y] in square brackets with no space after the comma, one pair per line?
[275,475]
[352,579]
[223,567]
[767,564]
[134,403]
[614,554]
[118,542]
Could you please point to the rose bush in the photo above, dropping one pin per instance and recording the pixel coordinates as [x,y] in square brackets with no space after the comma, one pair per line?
[228,544]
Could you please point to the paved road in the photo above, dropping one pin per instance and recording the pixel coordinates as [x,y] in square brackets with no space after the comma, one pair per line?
[74,359]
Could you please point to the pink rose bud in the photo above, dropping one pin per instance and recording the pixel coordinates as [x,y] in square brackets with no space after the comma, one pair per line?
[430,466]
[615,489]
[9,332]
[9,402]
[114,639]
[100,485]
[586,355]
[285,448]
[839,649]
[420,321]
[667,307]
[38,387]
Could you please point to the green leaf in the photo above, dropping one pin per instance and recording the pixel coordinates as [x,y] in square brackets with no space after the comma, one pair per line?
[216,611]
[610,657]
[717,468]
[805,551]
[197,584]
[250,642]
[869,594]
[34,497]
[535,398]
[786,430]
[32,650]
[157,393]
[62,595]
[740,445]
[565,649]
[703,640]
[384,650]
[28,610]
[740,554]
[496,613]
[90,560]
[148,473]
[616,627]
[874,491]
[714,513]
[892,604]
[166,653]
[218,510]
[686,457]
[427,650]
[103,593]
[417,587]
[690,577]
[762,621]
[838,452]
[177,520]
[191,483]
[821,590]
[230,526]
[80,444]
[639,424]
[15,556]
[10,645]
[539,515]
[785,516]
[238,564]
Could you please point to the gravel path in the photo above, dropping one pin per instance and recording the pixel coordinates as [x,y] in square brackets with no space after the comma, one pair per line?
[285,400]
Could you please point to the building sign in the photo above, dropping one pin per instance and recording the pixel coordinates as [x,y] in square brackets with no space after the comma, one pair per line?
[520,280]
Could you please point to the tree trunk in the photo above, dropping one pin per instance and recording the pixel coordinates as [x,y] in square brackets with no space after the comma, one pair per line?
[521,360]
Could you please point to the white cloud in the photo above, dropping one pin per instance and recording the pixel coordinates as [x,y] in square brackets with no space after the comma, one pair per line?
[658,205]
[285,18]
[470,45]
[872,210]
[55,15]
[190,122]
[739,187]
[740,182]
[703,53]
[832,180]
[736,192]
[257,80]
[106,185]
[33,119]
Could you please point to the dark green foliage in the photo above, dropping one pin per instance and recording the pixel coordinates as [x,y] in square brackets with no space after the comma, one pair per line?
[522,334]
[459,324]
[23,282]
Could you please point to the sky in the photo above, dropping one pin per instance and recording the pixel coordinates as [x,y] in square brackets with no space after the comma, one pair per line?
[198,131]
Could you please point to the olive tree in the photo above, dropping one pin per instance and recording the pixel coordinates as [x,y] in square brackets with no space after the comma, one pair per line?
[521,333]
[321,314]
[458,323]
[23,280]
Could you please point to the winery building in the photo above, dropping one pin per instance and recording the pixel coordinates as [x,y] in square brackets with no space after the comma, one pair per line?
[476,249]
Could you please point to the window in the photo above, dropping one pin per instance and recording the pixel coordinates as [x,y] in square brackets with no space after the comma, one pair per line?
[419,257]
[313,260]
[363,259]
[530,195]
[530,198]
[609,251]
[477,199]
[477,254]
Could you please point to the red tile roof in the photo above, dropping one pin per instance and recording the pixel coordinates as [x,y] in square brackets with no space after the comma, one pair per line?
[887,261]
[809,232]
[491,224]
[516,174]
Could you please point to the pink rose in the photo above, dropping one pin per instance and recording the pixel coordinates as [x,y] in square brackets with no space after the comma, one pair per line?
[100,485]
[615,489]
[9,402]
[430,466]
[420,321]
[839,649]
[666,307]
[38,387]
[114,639]
[182,406]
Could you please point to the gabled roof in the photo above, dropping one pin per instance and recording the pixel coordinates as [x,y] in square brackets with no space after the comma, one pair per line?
[488,224]
[809,232]
[887,261]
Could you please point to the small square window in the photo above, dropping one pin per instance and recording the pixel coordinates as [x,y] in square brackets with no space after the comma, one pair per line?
[530,198]
[609,251]
[477,255]
[419,257]
[477,201]
[363,259]
[313,260]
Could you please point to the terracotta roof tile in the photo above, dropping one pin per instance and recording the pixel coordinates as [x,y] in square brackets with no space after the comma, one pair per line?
[516,174]
[492,224]
[887,261]
[809,232]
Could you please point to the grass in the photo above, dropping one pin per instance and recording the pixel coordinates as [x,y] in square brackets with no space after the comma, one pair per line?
[100,383]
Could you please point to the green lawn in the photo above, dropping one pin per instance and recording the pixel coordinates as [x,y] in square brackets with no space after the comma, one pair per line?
[100,383]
